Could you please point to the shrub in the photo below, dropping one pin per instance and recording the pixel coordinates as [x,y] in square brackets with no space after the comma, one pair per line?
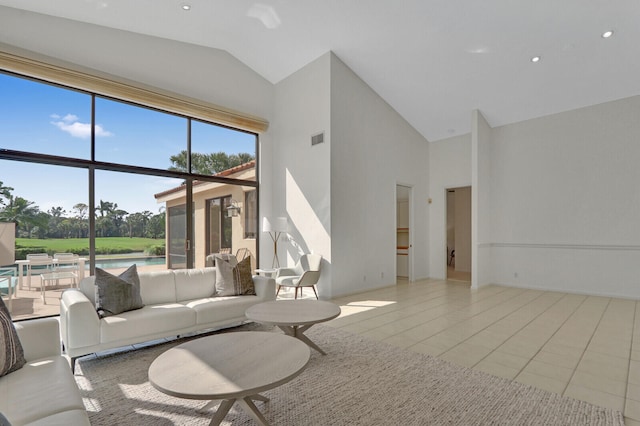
[155,250]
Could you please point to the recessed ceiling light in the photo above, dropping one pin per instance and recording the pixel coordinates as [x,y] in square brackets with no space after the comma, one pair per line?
[185,6]
[535,59]
[607,34]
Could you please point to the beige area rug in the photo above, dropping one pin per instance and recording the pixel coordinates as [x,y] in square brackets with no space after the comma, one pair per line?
[359,382]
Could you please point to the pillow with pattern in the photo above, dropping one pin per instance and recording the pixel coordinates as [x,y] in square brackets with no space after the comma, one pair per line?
[11,352]
[234,280]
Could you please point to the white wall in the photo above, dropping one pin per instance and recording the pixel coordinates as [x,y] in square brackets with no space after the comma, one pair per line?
[449,167]
[208,74]
[565,201]
[372,149]
[301,181]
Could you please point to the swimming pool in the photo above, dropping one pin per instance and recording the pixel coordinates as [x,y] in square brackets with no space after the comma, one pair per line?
[126,262]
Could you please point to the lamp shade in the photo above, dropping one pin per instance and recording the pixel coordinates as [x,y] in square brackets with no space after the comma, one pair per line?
[275,224]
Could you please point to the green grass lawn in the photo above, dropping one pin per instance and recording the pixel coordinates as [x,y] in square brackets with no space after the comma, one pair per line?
[106,245]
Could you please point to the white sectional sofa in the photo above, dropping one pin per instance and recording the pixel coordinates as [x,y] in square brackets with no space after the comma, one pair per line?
[43,392]
[176,302]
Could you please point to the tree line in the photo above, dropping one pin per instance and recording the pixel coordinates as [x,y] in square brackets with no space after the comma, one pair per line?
[111,221]
[31,222]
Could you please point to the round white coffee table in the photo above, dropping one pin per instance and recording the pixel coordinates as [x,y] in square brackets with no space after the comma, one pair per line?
[294,317]
[233,367]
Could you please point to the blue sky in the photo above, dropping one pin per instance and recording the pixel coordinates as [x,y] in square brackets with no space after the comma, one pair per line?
[36,117]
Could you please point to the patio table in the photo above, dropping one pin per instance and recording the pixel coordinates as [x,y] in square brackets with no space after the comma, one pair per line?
[55,276]
[25,263]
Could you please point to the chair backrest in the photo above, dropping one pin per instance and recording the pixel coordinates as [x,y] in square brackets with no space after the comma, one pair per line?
[39,259]
[66,258]
[37,256]
[309,267]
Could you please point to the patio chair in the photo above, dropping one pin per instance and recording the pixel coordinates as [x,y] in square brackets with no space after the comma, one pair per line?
[305,273]
[38,260]
[66,262]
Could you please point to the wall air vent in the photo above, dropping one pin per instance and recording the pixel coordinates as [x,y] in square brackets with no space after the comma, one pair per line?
[317,138]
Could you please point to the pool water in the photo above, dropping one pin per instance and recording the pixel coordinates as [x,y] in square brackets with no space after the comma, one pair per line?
[126,262]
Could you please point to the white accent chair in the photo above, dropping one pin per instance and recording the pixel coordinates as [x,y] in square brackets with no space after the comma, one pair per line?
[305,273]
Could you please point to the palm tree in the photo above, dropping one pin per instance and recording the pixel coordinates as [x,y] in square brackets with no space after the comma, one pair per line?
[105,208]
[20,211]
[5,192]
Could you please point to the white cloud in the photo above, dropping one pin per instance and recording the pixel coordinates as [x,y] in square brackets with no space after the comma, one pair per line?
[70,118]
[70,124]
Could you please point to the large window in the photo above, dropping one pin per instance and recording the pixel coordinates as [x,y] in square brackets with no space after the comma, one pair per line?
[114,182]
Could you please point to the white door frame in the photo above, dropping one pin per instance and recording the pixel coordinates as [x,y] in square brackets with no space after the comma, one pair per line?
[410,212]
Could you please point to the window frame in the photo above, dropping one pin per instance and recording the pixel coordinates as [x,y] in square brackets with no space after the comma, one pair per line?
[111,90]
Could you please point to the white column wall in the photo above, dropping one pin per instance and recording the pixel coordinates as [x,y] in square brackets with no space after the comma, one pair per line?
[481,200]
[301,172]
[372,149]
[449,167]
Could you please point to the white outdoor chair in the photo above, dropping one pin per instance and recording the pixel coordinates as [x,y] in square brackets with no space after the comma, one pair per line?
[305,273]
[38,259]
[66,262]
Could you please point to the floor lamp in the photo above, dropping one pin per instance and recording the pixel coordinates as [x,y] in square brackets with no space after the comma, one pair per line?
[275,226]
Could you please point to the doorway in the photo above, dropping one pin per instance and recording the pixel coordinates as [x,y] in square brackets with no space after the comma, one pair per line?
[403,234]
[458,242]
[219,227]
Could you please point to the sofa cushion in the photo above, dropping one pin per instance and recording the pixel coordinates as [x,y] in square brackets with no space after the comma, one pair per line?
[158,287]
[221,308]
[44,385]
[117,294]
[11,352]
[234,280]
[195,283]
[148,321]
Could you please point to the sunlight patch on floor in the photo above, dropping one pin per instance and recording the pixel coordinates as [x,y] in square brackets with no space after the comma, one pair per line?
[363,306]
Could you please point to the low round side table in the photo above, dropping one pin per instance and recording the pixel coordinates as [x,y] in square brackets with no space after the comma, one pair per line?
[233,367]
[294,317]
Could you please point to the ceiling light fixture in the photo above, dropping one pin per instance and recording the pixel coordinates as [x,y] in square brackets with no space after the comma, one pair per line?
[185,6]
[535,59]
[607,34]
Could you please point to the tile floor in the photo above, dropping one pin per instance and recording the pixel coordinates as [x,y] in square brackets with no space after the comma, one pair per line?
[584,347]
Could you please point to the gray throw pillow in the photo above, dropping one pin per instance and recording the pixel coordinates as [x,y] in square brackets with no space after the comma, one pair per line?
[4,421]
[234,280]
[11,352]
[117,294]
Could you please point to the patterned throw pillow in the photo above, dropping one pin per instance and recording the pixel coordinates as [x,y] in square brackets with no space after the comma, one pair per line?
[115,295]
[11,354]
[234,280]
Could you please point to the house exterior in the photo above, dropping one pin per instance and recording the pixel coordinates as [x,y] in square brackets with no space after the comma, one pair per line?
[218,225]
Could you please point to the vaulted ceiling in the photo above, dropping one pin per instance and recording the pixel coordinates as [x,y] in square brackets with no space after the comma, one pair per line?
[434,61]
